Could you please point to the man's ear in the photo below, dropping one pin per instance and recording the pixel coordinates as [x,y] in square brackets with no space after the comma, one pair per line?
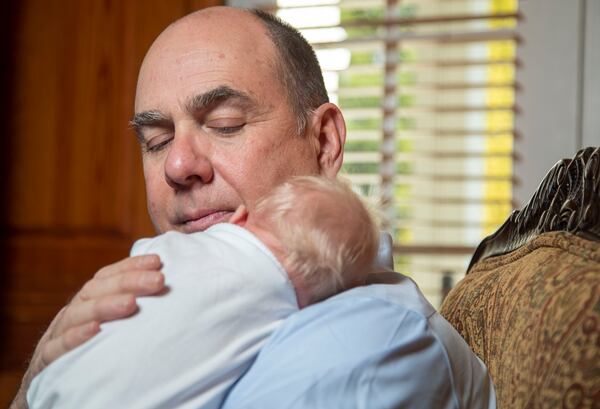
[240,217]
[328,129]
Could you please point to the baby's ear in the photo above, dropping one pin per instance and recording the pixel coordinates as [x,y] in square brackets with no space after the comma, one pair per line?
[240,217]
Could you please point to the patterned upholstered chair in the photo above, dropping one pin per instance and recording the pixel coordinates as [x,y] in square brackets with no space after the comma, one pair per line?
[529,305]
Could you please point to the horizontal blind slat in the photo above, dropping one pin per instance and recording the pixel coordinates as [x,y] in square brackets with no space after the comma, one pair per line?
[440,37]
[416,20]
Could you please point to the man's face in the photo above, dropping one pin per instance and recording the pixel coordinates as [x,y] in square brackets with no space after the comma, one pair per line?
[215,126]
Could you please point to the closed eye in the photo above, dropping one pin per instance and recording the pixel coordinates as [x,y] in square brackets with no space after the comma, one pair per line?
[226,130]
[158,143]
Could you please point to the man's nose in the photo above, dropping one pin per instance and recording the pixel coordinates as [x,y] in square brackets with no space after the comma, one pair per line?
[187,163]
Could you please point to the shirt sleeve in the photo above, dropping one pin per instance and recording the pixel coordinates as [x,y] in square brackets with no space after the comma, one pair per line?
[356,352]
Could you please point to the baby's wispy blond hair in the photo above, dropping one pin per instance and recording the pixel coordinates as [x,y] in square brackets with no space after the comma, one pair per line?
[329,237]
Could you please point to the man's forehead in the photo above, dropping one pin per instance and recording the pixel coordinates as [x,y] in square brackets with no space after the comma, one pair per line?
[184,61]
[211,30]
[193,57]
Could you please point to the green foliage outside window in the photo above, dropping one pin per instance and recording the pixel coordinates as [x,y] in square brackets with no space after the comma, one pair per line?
[402,168]
[359,102]
[350,79]
[363,124]
[348,15]
[361,168]
[404,145]
[403,190]
[404,212]
[362,146]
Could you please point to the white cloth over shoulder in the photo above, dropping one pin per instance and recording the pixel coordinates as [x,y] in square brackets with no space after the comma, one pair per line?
[184,349]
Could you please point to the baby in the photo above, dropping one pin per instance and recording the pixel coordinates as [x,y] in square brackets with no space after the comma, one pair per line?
[229,289]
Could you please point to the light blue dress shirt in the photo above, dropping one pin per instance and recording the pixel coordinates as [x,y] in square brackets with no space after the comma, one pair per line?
[380,346]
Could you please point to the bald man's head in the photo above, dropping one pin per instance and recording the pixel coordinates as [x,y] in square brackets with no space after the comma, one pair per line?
[220,98]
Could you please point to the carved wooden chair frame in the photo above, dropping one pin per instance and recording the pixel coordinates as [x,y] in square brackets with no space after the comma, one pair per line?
[568,199]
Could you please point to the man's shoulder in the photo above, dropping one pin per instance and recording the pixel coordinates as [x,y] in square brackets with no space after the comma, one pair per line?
[390,313]
[387,290]
[383,342]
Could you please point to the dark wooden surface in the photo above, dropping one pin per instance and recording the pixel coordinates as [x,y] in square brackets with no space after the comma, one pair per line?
[72,187]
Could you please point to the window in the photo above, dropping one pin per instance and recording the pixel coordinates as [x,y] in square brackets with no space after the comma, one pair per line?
[427,89]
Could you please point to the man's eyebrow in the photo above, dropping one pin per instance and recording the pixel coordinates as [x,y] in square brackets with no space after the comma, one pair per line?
[149,119]
[218,94]
[155,118]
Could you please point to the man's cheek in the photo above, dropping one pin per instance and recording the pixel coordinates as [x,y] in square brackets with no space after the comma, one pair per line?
[156,202]
[152,212]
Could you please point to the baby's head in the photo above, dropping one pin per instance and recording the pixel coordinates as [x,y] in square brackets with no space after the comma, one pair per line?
[320,231]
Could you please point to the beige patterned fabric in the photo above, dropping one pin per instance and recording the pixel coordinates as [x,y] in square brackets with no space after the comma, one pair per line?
[533,316]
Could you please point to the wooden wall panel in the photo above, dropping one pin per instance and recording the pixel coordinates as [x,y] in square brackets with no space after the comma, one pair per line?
[73,186]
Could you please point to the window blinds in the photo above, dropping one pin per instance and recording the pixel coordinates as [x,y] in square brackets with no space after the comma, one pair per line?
[427,89]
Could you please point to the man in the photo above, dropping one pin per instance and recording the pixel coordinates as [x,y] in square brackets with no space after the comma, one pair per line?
[229,104]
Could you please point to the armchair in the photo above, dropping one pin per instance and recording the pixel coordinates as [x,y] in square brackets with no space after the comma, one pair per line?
[529,305]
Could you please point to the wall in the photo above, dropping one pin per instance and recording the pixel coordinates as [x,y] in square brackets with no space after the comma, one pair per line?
[559,76]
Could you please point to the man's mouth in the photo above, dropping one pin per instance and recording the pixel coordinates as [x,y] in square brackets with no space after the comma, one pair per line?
[204,220]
